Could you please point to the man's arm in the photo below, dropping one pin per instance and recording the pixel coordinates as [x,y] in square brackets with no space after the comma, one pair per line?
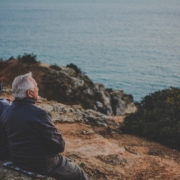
[52,137]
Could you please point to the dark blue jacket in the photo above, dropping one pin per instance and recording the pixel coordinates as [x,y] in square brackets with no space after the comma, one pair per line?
[4,146]
[34,140]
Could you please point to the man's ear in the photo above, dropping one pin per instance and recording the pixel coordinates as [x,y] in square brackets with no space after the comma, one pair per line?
[29,93]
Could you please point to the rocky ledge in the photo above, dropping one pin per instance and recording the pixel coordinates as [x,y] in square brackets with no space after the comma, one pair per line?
[68,85]
[94,142]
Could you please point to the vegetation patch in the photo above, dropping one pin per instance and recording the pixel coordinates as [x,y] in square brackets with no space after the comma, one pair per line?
[55,67]
[77,69]
[157,118]
[28,58]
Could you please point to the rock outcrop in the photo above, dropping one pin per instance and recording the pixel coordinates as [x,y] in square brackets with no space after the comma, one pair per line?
[62,113]
[93,141]
[68,86]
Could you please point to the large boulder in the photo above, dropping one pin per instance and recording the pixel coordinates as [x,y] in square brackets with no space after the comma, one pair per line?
[122,103]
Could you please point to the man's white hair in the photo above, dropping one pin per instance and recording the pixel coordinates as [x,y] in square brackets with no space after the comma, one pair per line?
[21,84]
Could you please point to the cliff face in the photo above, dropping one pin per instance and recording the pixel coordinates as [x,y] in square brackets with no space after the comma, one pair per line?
[93,141]
[66,85]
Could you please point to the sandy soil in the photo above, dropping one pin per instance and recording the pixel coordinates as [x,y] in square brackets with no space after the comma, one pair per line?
[119,156]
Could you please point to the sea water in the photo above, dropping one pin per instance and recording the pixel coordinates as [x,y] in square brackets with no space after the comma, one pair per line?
[132,45]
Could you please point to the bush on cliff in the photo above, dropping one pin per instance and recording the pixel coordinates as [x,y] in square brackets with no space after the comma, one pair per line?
[158,118]
[55,67]
[28,58]
[77,69]
[11,58]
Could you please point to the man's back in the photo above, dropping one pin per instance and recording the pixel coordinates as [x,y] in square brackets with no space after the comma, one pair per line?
[33,139]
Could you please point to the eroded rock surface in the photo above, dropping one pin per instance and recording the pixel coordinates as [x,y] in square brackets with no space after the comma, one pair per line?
[94,143]
[66,86]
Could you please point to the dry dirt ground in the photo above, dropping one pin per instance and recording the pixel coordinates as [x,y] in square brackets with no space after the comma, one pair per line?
[117,156]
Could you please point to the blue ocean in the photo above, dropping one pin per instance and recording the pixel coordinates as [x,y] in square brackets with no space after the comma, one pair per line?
[132,45]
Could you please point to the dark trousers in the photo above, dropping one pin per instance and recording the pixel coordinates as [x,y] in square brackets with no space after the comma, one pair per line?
[68,171]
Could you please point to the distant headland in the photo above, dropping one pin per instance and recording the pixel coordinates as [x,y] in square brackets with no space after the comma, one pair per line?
[68,85]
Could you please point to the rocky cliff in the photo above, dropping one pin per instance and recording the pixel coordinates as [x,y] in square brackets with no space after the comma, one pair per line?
[93,141]
[68,85]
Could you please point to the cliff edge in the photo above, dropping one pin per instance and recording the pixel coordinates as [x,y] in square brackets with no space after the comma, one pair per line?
[68,85]
[93,141]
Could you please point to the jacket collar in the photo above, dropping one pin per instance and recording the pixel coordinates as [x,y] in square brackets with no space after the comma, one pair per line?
[25,100]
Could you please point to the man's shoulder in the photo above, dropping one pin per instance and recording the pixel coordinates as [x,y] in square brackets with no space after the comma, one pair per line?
[39,110]
[41,113]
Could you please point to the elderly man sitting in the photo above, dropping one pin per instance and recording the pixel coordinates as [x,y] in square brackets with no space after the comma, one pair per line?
[34,141]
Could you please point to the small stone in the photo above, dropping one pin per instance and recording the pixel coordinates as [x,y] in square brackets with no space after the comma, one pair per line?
[82,164]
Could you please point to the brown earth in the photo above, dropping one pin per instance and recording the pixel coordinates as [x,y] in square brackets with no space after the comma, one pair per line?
[113,156]
[118,156]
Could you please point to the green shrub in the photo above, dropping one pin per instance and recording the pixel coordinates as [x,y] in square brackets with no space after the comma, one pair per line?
[11,58]
[28,58]
[73,66]
[56,67]
[157,118]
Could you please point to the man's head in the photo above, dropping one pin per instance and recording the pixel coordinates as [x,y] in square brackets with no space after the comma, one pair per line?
[25,86]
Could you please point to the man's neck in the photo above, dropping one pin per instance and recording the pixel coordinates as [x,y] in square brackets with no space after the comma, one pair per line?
[26,99]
